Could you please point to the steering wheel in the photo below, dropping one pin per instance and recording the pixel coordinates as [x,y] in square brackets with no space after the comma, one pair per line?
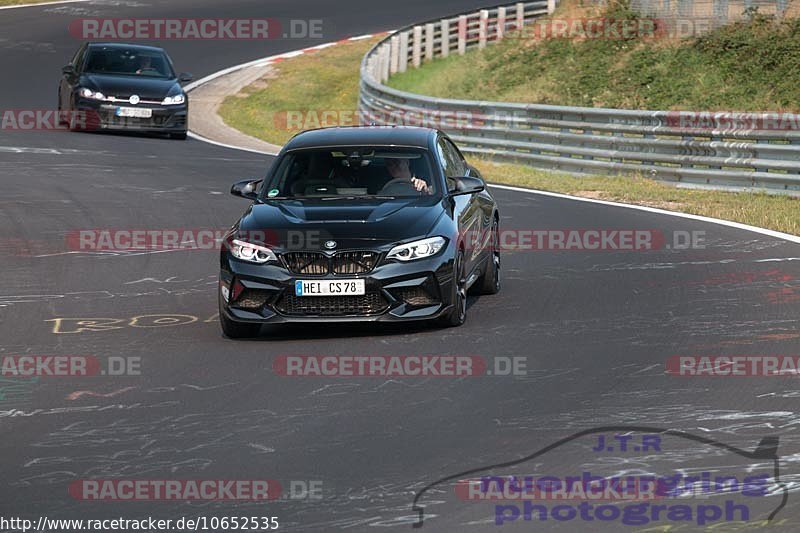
[398,185]
[146,69]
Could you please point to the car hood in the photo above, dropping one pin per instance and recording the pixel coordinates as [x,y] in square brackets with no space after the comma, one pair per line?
[307,224]
[125,86]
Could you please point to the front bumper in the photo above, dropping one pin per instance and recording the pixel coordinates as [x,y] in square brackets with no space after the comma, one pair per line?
[165,119]
[395,292]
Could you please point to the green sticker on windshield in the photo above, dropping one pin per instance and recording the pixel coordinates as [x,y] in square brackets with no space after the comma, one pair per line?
[273,192]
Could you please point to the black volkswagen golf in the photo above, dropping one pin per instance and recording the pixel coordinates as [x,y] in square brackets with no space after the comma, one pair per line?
[116,86]
[360,224]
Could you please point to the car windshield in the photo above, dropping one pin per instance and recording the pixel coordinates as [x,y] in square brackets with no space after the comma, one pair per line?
[129,62]
[351,173]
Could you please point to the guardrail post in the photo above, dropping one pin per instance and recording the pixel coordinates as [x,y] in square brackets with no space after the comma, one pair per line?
[386,59]
[520,15]
[402,64]
[395,54]
[501,23]
[720,12]
[462,35]
[416,47]
[377,70]
[428,41]
[371,67]
[551,6]
[780,8]
[483,28]
[445,37]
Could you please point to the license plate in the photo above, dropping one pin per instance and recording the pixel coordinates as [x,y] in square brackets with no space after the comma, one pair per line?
[345,287]
[135,112]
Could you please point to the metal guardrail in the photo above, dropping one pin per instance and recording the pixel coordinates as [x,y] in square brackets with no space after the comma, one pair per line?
[753,150]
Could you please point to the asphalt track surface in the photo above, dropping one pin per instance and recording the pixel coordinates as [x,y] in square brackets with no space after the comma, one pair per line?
[595,328]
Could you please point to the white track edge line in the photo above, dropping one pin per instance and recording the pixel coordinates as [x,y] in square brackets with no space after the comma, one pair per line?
[701,218]
[40,4]
[232,146]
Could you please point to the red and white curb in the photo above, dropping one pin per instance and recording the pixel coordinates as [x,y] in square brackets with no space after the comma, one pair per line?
[288,55]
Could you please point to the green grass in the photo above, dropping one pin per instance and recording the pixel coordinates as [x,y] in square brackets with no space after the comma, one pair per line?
[328,80]
[781,213]
[301,89]
[747,66]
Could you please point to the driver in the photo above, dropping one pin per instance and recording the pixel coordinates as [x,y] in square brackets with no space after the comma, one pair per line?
[145,64]
[399,169]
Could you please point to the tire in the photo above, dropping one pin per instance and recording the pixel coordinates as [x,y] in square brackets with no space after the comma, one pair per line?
[179,136]
[458,314]
[72,122]
[237,330]
[490,281]
[60,119]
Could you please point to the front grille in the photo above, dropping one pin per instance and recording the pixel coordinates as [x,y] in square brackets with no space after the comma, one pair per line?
[371,303]
[343,263]
[126,102]
[160,119]
[307,263]
[354,262]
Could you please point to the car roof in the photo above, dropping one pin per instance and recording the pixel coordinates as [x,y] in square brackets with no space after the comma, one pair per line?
[362,136]
[142,47]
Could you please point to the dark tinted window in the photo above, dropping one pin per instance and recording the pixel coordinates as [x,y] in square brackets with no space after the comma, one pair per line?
[350,172]
[128,62]
[458,164]
[77,59]
[444,160]
[451,161]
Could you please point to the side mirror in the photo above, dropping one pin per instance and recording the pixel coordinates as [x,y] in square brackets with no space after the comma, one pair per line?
[185,77]
[68,70]
[246,189]
[468,185]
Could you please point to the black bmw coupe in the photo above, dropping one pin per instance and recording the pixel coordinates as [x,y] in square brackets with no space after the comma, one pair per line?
[360,224]
[111,86]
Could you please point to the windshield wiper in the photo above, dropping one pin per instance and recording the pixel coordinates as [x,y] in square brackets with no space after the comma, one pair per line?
[359,197]
[326,198]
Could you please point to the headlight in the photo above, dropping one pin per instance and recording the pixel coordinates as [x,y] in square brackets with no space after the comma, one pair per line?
[174,100]
[252,253]
[88,93]
[417,249]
